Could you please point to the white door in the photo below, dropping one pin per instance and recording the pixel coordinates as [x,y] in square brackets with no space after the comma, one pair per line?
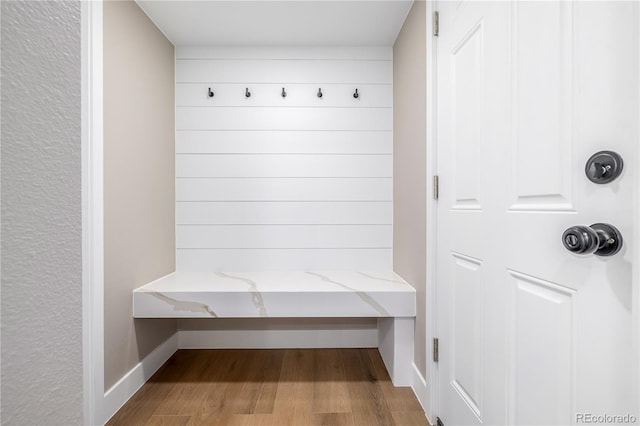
[530,333]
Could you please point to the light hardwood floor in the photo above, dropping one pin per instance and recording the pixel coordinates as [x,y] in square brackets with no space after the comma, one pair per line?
[275,387]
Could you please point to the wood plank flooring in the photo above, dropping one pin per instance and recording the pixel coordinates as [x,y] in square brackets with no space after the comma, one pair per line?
[272,387]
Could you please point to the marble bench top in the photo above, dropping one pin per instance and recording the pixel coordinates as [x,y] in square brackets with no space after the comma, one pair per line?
[288,294]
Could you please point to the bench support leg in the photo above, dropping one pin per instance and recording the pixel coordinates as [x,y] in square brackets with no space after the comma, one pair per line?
[395,343]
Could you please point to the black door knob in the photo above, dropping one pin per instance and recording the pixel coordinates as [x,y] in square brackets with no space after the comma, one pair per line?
[600,239]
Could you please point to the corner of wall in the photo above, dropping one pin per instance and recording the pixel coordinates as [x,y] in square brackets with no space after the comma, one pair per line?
[410,165]
[139,180]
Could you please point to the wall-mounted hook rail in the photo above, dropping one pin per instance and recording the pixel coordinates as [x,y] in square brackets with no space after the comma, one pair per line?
[210,93]
[320,93]
[283,94]
[247,93]
[356,95]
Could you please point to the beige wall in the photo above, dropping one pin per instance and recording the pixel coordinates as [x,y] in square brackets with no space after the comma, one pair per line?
[409,163]
[139,194]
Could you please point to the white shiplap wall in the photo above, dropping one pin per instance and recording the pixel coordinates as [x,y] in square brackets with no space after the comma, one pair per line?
[267,182]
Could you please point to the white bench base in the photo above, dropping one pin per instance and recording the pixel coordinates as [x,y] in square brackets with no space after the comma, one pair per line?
[395,343]
[293,294]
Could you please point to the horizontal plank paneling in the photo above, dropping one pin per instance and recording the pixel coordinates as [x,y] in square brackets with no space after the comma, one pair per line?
[272,118]
[333,95]
[279,165]
[274,142]
[288,213]
[284,189]
[283,71]
[269,182]
[263,52]
[283,236]
[274,259]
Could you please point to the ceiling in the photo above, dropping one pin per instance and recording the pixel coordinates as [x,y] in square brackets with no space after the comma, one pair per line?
[279,23]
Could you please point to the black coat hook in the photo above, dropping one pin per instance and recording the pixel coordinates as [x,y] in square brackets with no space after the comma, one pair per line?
[355,94]
[247,93]
[284,94]
[210,93]
[320,93]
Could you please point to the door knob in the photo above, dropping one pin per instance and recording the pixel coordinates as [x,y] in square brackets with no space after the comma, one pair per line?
[600,239]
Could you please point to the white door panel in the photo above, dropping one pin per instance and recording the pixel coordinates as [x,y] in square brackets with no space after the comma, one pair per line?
[541,102]
[527,92]
[542,351]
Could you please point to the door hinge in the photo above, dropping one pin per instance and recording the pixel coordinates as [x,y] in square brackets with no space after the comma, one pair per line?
[436,187]
[436,23]
[435,349]
[439,422]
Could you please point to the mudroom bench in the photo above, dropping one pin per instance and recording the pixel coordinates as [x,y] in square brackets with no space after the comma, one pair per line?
[293,294]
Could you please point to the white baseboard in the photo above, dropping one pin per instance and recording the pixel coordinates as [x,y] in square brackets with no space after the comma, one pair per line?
[124,389]
[271,339]
[420,389]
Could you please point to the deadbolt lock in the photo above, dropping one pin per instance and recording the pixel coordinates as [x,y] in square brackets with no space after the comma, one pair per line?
[603,167]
